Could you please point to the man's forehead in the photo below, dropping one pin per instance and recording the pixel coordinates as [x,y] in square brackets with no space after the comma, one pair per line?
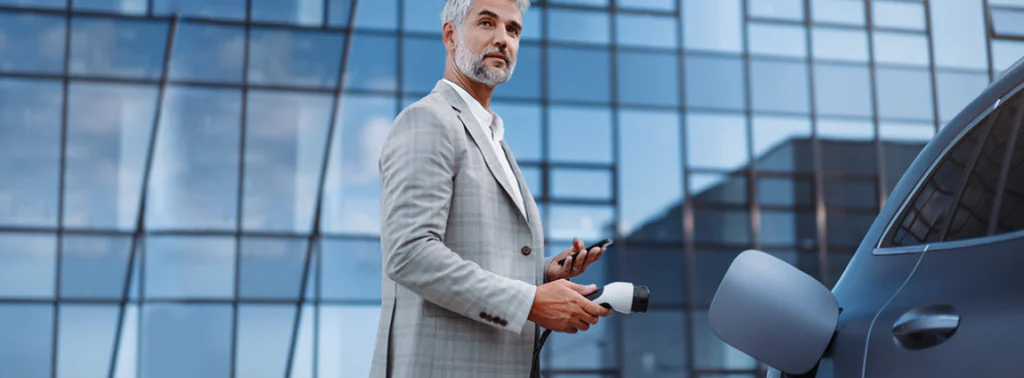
[505,9]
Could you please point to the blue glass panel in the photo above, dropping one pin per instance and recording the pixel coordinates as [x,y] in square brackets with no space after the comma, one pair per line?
[646,30]
[27,266]
[132,7]
[194,178]
[842,90]
[579,134]
[285,138]
[299,12]
[840,44]
[378,14]
[585,222]
[1012,3]
[36,3]
[352,191]
[842,12]
[372,63]
[1008,22]
[30,118]
[851,192]
[272,268]
[715,82]
[225,9]
[898,14]
[581,184]
[774,138]
[534,180]
[592,349]
[118,47]
[777,39]
[713,265]
[717,141]
[845,129]
[779,86]
[302,363]
[420,75]
[31,42]
[95,266]
[109,128]
[785,191]
[351,270]
[86,340]
[655,346]
[900,48]
[295,57]
[718,188]
[713,25]
[958,33]
[572,73]
[27,332]
[345,333]
[1005,53]
[649,192]
[596,3]
[579,26]
[789,10]
[648,78]
[525,82]
[789,228]
[659,268]
[533,25]
[186,340]
[659,5]
[422,16]
[264,340]
[919,132]
[956,90]
[184,267]
[722,227]
[846,229]
[128,349]
[338,12]
[206,52]
[904,93]
[522,128]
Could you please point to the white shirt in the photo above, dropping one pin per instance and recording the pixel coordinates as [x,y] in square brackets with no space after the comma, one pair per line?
[484,117]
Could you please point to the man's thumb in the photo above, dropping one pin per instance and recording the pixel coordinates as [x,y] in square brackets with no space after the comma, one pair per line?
[584,289]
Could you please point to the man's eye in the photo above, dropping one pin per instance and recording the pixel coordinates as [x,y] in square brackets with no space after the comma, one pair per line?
[513,31]
[485,23]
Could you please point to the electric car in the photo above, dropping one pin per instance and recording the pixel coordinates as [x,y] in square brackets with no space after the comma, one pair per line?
[936,287]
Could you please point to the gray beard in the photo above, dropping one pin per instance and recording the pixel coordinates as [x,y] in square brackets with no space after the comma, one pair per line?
[474,67]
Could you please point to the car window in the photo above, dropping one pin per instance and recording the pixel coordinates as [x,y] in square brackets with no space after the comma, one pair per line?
[1011,199]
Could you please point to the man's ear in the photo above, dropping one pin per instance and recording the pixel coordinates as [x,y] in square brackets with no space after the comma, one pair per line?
[448,35]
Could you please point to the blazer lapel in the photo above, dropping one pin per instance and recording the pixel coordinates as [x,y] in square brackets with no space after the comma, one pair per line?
[531,206]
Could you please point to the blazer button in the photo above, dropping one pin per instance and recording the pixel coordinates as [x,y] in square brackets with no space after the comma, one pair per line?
[483,315]
[504,322]
[526,250]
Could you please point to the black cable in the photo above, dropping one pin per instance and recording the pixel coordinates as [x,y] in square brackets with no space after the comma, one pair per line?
[535,371]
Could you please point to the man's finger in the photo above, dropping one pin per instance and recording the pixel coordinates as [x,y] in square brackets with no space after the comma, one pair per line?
[580,260]
[594,255]
[596,309]
[588,317]
[584,290]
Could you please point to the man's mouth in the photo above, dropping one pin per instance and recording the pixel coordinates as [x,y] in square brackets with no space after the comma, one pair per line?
[498,56]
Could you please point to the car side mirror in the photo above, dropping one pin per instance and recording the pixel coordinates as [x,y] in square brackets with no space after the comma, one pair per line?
[774,312]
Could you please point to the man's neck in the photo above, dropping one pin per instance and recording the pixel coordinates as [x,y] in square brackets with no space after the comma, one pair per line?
[480,92]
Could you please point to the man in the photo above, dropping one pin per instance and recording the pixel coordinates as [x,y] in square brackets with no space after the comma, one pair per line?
[465,283]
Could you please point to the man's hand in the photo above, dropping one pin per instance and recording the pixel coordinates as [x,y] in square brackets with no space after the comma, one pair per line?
[561,307]
[583,260]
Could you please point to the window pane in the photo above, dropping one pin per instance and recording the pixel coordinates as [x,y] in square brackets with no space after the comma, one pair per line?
[779,143]
[344,334]
[27,332]
[663,5]
[208,53]
[580,134]
[779,86]
[301,12]
[571,81]
[958,33]
[1005,54]
[302,365]
[710,352]
[645,30]
[581,184]
[715,188]
[95,266]
[186,267]
[971,215]
[712,25]
[421,74]
[132,7]
[789,228]
[27,266]
[264,340]
[109,128]
[842,90]
[904,93]
[36,3]
[592,349]
[30,128]
[186,340]
[660,269]
[584,222]
[649,192]
[836,153]
[284,151]
[840,44]
[711,267]
[898,14]
[118,47]
[534,180]
[927,211]
[843,12]
[901,48]
[850,192]
[413,16]
[1010,217]
[32,43]
[956,90]
[352,190]
[272,268]
[847,230]
[716,141]
[194,178]
[86,340]
[522,129]
[376,14]
[845,129]
[722,227]
[792,10]
[777,40]
[785,191]
[715,82]
[596,3]
[226,9]
[338,12]
[655,345]
[351,270]
[648,78]
[295,57]
[525,82]
[579,26]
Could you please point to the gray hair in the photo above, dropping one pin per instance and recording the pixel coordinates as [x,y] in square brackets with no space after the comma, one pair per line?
[457,11]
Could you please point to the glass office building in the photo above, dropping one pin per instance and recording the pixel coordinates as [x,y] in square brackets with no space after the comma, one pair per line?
[196,195]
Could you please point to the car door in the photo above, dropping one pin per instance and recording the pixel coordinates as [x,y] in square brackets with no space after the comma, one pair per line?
[959,313]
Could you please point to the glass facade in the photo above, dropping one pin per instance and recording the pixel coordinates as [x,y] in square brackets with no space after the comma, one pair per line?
[190,186]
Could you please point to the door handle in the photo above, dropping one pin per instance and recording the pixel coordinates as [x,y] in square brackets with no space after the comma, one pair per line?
[925,327]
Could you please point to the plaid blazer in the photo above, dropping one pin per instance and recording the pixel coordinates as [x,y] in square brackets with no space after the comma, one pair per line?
[461,261]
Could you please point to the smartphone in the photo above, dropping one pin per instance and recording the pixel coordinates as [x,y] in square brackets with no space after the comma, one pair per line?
[603,243]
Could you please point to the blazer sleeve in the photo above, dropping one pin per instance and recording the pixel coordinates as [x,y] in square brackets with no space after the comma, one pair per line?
[418,164]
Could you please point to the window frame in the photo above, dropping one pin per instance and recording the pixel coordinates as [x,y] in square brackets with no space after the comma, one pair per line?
[881,247]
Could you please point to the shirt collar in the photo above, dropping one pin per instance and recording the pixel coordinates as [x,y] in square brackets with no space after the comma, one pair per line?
[483,116]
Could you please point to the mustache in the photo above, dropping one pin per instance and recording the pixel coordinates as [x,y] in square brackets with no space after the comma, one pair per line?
[494,49]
